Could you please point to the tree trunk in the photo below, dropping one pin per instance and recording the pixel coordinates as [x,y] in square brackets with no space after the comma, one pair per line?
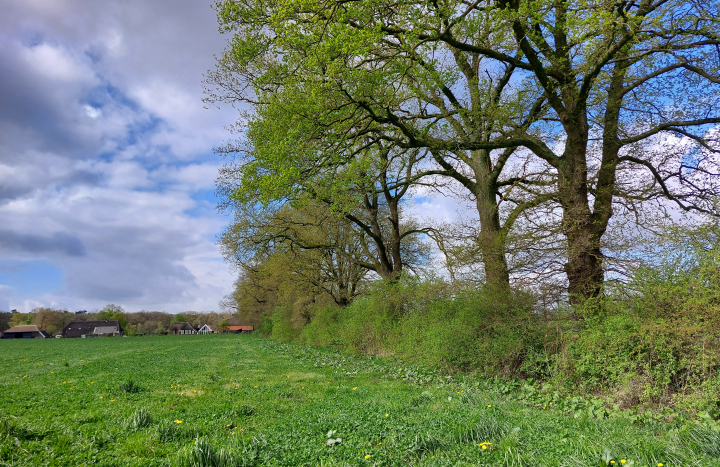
[492,241]
[584,258]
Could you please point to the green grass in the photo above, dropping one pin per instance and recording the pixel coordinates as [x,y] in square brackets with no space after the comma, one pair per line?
[246,401]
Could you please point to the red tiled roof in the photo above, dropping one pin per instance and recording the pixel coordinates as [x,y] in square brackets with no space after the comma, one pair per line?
[242,327]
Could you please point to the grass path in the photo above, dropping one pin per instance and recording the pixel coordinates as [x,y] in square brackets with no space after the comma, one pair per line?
[68,402]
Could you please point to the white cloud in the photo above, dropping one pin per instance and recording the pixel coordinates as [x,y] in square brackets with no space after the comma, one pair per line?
[56,63]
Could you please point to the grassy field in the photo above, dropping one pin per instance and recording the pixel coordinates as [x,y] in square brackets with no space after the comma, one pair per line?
[239,400]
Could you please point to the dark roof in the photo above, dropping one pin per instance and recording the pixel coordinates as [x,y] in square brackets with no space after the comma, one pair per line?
[183,325]
[78,328]
[24,328]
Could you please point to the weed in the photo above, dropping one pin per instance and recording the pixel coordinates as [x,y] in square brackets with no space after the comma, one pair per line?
[130,387]
[139,419]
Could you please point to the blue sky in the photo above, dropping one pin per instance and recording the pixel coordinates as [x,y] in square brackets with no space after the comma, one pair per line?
[106,163]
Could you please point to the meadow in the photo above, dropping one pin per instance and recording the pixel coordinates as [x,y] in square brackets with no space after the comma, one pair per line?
[238,400]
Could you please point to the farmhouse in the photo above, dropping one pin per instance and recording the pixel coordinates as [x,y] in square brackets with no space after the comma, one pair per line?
[107,328]
[25,332]
[206,329]
[182,328]
[241,329]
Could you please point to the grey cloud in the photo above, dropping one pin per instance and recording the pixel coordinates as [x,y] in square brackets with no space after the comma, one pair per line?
[57,242]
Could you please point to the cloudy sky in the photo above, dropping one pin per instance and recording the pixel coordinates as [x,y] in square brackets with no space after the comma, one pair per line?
[106,163]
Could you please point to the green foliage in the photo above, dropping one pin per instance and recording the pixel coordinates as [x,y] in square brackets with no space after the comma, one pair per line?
[178,318]
[282,325]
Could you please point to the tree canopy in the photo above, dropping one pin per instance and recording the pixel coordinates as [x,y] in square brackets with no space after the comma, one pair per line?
[586,107]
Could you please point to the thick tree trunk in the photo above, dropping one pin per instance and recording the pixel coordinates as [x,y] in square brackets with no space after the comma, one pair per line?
[492,241]
[584,265]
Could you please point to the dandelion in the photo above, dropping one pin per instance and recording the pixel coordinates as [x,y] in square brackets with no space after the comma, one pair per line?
[355,388]
[178,421]
[660,464]
[101,397]
[612,462]
[485,445]
[622,461]
[489,405]
[387,414]
[367,456]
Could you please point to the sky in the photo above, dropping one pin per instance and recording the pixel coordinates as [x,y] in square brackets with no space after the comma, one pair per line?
[106,163]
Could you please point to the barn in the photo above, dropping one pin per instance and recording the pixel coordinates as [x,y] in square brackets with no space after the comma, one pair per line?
[29,331]
[106,328]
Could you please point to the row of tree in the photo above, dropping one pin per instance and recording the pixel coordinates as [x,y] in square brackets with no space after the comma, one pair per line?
[143,322]
[552,118]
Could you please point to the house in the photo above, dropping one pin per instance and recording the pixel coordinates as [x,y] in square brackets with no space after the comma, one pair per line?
[25,332]
[182,328]
[241,329]
[206,329]
[106,328]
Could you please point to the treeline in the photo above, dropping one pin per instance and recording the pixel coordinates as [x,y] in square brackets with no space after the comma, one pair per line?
[137,323]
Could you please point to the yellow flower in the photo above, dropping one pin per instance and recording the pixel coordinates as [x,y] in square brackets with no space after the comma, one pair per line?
[367,456]
[178,421]
[612,462]
[485,445]
[387,414]
[101,397]
[489,405]
[355,388]
[660,464]
[622,461]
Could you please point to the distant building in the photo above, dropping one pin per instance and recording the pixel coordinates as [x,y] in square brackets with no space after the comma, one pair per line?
[29,331]
[106,328]
[182,328]
[241,329]
[206,329]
